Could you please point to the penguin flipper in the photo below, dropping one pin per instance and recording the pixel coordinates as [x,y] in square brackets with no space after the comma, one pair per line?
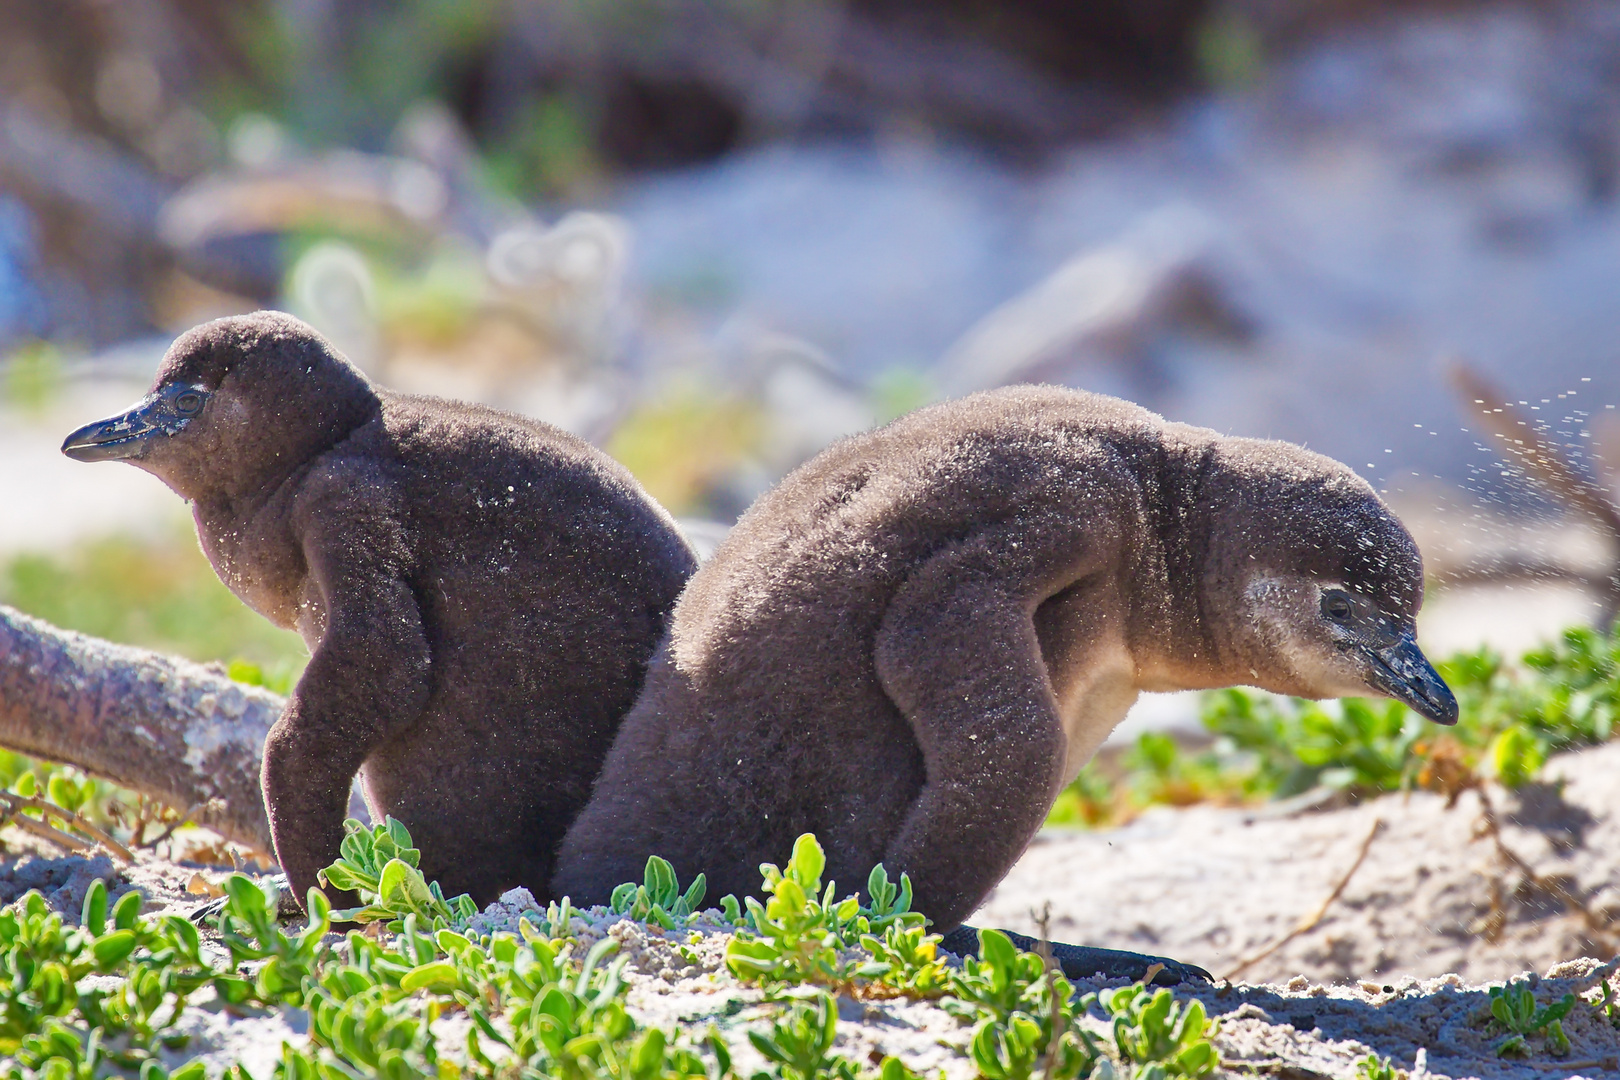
[367,678]
[957,654]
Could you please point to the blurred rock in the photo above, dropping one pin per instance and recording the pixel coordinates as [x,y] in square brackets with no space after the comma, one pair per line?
[1116,303]
[1388,195]
[357,194]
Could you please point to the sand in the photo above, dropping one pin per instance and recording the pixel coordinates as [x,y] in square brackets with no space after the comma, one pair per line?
[1214,886]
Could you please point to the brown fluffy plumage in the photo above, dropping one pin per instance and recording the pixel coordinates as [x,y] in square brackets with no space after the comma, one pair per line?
[480,592]
[918,637]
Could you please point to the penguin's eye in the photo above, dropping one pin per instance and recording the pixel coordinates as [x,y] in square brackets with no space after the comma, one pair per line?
[188,403]
[1337,606]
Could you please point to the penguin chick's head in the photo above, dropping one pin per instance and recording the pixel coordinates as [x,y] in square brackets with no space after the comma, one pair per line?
[237,403]
[1313,583]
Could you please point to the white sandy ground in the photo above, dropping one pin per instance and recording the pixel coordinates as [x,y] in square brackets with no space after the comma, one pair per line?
[1214,886]
[1393,966]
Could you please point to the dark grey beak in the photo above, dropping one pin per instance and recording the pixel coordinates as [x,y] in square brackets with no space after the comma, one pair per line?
[1405,674]
[117,437]
[129,435]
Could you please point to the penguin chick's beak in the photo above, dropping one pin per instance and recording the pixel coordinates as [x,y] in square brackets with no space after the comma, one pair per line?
[130,434]
[1405,674]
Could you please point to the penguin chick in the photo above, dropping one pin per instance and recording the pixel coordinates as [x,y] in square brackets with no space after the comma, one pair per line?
[480,593]
[917,638]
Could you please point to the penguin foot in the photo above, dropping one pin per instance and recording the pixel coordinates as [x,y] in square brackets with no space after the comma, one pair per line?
[286,903]
[1083,961]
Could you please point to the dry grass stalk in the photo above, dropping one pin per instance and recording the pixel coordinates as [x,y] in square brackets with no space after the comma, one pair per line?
[1307,924]
[1602,931]
[1044,949]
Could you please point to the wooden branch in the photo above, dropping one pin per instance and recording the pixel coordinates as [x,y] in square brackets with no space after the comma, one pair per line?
[1546,463]
[167,728]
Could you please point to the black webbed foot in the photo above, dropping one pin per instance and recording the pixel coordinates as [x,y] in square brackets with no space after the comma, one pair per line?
[1083,961]
[286,904]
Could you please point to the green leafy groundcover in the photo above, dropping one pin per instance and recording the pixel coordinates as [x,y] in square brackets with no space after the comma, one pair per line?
[1512,717]
[102,998]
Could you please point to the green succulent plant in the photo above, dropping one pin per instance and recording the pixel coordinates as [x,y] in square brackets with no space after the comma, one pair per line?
[380,865]
[1514,1009]
[1159,1035]
[658,898]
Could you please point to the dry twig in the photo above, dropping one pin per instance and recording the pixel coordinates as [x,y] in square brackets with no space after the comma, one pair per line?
[1309,923]
[13,814]
[1044,949]
[1552,468]
[156,812]
[182,818]
[1602,930]
[1447,773]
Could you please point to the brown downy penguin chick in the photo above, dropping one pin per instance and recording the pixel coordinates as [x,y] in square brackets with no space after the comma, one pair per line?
[915,640]
[480,592]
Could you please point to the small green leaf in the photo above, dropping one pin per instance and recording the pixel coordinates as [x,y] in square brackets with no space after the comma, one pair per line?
[623,896]
[807,863]
[401,887]
[399,835]
[648,1057]
[94,917]
[722,1052]
[63,792]
[113,948]
[128,910]
[183,932]
[997,949]
[1516,755]
[435,976]
[555,1003]
[692,900]
[232,989]
[659,877]
[342,875]
[880,891]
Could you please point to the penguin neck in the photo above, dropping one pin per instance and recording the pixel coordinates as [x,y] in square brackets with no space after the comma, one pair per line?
[250,541]
[1173,639]
[245,476]
[245,526]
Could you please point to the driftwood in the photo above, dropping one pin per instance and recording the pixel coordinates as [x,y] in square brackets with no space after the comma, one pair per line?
[167,728]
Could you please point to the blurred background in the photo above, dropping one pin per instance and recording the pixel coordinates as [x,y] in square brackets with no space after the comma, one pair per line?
[714,235]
